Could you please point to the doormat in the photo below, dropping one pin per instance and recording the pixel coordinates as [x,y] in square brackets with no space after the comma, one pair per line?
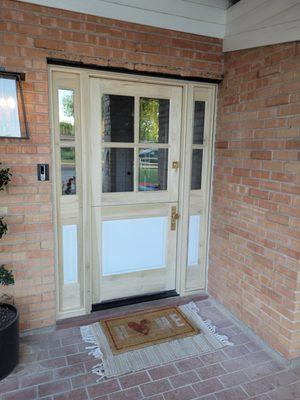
[146,328]
[150,338]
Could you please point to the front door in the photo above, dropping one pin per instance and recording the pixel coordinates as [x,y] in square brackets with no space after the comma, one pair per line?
[130,153]
[135,133]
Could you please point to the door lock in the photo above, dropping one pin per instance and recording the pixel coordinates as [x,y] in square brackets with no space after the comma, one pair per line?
[175,165]
[174,218]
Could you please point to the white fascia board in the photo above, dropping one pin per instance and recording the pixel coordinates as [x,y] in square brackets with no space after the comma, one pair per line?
[260,23]
[282,33]
[258,16]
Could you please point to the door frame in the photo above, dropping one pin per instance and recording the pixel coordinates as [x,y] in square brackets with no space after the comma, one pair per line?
[84,205]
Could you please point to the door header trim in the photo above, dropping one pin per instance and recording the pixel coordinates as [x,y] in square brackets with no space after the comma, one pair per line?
[80,64]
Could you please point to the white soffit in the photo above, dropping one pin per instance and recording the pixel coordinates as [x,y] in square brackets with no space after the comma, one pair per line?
[261,22]
[201,17]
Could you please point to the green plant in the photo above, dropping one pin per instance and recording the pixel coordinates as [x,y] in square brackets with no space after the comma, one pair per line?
[5,177]
[6,276]
[3,227]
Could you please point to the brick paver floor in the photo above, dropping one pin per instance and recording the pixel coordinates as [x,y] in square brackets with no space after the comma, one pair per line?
[56,366]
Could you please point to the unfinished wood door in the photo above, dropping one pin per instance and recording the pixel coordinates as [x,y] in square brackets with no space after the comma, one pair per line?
[134,154]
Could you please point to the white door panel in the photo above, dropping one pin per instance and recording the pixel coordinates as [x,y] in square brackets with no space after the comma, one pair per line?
[135,250]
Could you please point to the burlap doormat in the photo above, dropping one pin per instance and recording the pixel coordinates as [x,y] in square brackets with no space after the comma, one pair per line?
[150,338]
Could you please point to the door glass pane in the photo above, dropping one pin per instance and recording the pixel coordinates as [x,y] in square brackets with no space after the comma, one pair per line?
[131,245]
[69,243]
[154,120]
[153,169]
[66,114]
[196,169]
[117,118]
[199,122]
[68,170]
[117,170]
[194,240]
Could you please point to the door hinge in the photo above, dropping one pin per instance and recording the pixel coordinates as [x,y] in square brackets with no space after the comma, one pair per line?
[174,218]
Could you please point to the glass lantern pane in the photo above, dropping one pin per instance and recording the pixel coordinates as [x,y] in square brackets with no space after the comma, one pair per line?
[9,112]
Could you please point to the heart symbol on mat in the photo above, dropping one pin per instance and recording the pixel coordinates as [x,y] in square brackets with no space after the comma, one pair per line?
[142,327]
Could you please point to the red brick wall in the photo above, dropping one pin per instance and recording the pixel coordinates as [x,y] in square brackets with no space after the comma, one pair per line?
[255,234]
[29,34]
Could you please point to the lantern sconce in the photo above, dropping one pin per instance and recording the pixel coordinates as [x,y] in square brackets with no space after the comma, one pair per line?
[13,120]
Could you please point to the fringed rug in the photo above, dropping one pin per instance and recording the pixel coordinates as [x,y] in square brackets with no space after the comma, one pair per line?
[150,338]
[146,328]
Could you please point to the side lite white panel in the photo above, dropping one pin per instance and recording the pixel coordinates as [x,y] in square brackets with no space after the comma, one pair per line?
[69,244]
[194,240]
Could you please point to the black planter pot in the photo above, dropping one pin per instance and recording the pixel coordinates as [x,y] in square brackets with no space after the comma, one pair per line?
[9,344]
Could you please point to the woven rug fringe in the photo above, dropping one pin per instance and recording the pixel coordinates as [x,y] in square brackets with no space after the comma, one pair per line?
[94,350]
[210,326]
[222,338]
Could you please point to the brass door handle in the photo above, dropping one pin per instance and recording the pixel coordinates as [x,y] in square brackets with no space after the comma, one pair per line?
[174,218]
[175,165]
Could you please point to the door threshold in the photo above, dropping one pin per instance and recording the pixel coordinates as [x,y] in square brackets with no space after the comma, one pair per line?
[133,300]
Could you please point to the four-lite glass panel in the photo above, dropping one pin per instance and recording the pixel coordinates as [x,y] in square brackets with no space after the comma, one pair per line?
[141,165]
